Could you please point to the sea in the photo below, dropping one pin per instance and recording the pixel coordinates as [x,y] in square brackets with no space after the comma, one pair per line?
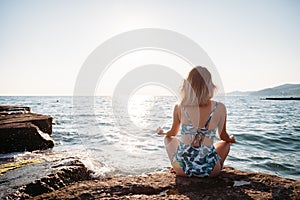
[118,137]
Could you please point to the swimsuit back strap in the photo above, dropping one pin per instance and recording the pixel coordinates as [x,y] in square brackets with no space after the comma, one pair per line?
[211,114]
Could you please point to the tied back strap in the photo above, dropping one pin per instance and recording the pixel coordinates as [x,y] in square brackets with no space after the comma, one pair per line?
[211,114]
[187,115]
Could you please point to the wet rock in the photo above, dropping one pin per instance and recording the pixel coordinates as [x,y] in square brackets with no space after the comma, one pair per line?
[68,171]
[23,137]
[7,109]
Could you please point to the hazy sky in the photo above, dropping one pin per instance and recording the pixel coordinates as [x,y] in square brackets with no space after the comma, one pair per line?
[254,44]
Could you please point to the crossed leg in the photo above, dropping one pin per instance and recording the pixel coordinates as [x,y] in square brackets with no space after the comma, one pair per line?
[171,144]
[222,149]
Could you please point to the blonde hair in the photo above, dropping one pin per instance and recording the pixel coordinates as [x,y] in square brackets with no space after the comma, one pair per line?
[197,88]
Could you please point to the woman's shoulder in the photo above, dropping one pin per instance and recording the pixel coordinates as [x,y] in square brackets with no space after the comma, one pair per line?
[220,106]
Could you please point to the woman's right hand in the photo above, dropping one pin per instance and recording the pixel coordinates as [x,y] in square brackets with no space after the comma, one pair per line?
[232,139]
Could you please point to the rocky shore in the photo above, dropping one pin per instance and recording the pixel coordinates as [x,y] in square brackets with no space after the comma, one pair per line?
[73,181]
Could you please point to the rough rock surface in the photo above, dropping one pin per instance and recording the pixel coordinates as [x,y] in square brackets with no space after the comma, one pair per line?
[231,184]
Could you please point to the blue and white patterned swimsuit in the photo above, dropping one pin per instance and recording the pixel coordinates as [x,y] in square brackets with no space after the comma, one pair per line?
[197,160]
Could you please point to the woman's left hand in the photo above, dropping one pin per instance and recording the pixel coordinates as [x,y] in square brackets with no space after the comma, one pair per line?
[160,131]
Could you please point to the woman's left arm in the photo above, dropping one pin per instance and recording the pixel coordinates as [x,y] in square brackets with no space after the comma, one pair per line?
[222,126]
[175,126]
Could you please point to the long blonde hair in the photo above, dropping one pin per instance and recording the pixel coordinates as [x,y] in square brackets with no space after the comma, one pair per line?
[198,88]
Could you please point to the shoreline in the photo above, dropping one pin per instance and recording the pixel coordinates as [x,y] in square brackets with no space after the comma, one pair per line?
[72,180]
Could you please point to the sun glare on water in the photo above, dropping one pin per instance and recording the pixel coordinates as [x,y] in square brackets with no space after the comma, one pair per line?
[143,110]
[139,109]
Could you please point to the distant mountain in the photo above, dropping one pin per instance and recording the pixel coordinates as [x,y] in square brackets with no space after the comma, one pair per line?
[282,90]
[289,90]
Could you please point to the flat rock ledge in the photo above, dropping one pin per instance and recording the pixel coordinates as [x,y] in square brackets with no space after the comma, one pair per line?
[21,130]
[230,184]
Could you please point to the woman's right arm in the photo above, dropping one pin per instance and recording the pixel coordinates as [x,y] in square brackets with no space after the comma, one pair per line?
[175,126]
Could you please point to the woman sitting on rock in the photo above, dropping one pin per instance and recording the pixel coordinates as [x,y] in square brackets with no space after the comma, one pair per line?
[195,154]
